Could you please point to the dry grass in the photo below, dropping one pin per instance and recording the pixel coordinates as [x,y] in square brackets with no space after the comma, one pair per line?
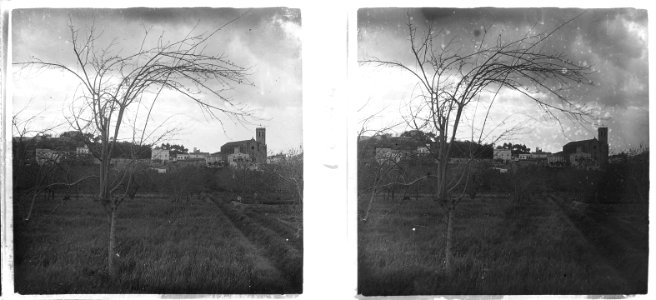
[164,247]
[501,247]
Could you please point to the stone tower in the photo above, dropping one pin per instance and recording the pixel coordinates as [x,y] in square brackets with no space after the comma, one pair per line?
[260,135]
[602,133]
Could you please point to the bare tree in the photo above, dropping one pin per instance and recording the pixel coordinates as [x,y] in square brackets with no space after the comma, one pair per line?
[24,134]
[115,86]
[289,173]
[452,79]
[34,173]
[390,174]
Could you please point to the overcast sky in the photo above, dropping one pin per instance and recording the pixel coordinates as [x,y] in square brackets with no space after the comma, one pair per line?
[613,43]
[267,41]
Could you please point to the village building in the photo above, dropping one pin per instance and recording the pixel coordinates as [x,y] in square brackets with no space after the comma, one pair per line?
[214,160]
[592,153]
[160,154]
[502,154]
[239,159]
[197,154]
[556,160]
[582,160]
[256,149]
[539,154]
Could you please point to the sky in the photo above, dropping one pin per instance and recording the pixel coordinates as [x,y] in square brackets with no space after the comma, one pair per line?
[267,41]
[611,42]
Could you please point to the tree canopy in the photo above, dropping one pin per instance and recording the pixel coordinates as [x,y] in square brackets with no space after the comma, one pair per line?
[174,149]
[515,149]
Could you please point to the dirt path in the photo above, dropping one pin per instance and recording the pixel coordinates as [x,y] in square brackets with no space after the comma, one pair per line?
[611,263]
[277,227]
[263,267]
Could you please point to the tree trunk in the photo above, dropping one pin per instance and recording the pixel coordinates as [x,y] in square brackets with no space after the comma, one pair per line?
[450,214]
[111,253]
[444,199]
[29,212]
[371,201]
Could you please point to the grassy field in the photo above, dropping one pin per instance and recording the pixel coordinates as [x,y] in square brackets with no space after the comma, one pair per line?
[200,246]
[543,245]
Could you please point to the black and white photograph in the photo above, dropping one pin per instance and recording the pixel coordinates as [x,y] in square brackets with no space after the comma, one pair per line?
[502,151]
[156,150]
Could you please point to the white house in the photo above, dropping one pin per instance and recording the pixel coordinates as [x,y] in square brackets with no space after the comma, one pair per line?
[160,154]
[182,156]
[502,154]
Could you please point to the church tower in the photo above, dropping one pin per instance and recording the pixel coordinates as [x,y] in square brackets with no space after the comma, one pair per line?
[260,135]
[602,133]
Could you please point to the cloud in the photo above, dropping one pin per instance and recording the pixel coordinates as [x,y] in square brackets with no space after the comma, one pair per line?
[265,40]
[612,42]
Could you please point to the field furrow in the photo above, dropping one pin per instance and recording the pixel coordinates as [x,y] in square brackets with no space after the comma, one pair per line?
[276,248]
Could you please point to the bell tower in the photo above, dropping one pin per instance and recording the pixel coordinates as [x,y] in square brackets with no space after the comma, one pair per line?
[603,147]
[260,135]
[602,133]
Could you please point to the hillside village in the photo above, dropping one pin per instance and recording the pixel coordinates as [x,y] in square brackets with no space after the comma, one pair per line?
[74,147]
[591,154]
[246,153]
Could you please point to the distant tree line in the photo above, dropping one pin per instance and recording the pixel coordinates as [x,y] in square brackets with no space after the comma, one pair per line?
[411,140]
[515,149]
[24,148]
